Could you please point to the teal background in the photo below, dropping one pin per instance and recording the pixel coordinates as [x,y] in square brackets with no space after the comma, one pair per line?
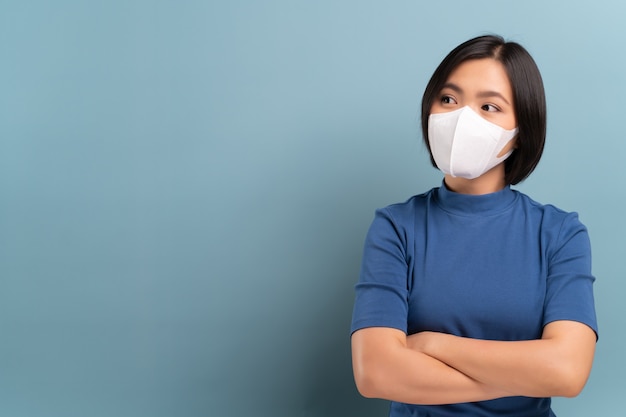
[185,187]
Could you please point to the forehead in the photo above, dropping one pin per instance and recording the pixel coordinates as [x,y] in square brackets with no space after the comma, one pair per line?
[482,74]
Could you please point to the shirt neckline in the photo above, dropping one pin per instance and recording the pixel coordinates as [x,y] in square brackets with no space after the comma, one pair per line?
[473,205]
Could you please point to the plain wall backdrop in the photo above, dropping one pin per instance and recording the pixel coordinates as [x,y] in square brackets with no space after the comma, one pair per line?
[185,187]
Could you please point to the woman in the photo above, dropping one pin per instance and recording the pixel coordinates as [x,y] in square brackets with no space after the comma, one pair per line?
[473,299]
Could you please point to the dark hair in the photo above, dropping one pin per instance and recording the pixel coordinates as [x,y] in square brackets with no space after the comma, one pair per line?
[528,97]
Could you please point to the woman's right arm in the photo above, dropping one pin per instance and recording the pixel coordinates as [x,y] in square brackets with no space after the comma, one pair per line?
[384,367]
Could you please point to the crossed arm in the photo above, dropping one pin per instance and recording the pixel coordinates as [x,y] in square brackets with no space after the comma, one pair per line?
[437,368]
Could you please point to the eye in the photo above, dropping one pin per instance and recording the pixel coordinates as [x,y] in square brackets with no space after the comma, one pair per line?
[489,107]
[445,99]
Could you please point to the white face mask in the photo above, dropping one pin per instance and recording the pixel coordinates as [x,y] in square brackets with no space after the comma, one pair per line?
[464,144]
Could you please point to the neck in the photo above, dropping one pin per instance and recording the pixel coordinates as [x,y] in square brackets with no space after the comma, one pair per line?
[490,182]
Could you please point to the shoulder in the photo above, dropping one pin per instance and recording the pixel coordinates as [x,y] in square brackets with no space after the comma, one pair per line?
[397,221]
[557,226]
[407,210]
[549,214]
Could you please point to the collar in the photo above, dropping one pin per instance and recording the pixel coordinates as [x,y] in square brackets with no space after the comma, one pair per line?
[471,205]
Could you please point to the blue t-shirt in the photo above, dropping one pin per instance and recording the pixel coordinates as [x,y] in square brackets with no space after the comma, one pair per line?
[498,267]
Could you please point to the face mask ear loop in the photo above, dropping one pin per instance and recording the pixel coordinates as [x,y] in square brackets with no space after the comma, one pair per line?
[504,156]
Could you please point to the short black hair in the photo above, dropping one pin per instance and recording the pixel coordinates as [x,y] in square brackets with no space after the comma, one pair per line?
[528,97]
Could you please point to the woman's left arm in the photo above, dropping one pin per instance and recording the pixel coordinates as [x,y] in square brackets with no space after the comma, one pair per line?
[558,364]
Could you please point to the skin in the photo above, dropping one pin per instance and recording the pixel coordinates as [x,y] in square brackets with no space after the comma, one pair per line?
[438,368]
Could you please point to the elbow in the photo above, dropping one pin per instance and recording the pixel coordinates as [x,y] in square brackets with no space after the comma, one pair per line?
[366,382]
[375,374]
[573,387]
[368,372]
[569,391]
[372,378]
[570,357]
[571,383]
[366,389]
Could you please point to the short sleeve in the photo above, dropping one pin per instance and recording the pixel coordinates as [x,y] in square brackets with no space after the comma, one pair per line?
[569,291]
[381,294]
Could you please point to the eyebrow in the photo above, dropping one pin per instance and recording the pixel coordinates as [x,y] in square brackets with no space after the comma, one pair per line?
[481,94]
